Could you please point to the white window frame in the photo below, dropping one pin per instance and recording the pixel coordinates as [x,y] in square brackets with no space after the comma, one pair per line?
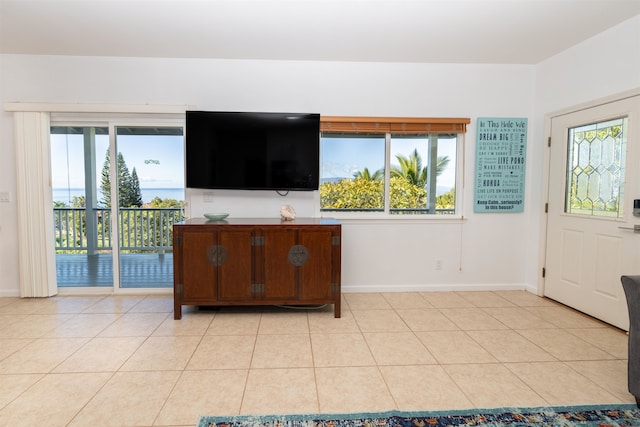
[387,216]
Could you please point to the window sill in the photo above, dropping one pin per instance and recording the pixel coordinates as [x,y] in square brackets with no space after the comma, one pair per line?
[382,218]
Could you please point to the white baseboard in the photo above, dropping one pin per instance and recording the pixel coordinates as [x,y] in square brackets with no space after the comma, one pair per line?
[9,293]
[458,287]
[347,289]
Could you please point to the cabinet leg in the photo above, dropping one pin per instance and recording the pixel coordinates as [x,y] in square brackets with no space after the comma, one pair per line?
[177,312]
[336,309]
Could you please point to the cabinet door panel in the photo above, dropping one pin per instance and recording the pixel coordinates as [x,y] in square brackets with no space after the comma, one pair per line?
[198,273]
[316,274]
[279,274]
[235,273]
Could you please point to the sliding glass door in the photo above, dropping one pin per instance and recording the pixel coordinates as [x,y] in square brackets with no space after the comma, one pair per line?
[117,191]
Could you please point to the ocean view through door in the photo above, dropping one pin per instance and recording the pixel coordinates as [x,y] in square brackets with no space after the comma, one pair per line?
[116,236]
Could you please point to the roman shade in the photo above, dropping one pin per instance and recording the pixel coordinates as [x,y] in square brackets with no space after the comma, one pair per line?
[396,125]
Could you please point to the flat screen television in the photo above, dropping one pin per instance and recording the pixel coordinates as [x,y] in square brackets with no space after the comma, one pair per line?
[252,150]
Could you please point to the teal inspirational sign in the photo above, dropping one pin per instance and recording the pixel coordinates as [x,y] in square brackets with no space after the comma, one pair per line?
[501,147]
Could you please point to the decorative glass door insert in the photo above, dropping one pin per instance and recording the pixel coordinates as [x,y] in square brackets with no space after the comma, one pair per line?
[596,169]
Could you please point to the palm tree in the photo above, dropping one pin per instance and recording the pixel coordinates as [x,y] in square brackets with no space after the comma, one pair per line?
[366,175]
[411,168]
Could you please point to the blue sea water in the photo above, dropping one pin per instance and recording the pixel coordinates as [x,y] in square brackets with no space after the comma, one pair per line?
[66,194]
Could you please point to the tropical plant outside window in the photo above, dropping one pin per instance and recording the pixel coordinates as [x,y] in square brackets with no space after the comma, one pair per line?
[595,169]
[420,179]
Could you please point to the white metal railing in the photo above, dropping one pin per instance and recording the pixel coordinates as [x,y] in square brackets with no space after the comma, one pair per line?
[140,229]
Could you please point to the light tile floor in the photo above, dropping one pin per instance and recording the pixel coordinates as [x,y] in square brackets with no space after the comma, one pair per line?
[123,360]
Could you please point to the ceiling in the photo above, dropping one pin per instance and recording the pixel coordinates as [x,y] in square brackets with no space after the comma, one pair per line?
[433,31]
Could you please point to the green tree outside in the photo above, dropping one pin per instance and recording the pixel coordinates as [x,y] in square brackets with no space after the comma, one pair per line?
[406,185]
[359,193]
[367,175]
[129,194]
[446,200]
[411,168]
[134,192]
[157,202]
[150,228]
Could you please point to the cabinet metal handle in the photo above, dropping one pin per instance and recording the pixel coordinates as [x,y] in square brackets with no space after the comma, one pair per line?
[298,255]
[217,255]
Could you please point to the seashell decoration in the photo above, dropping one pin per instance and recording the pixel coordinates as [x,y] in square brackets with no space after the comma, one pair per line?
[287,213]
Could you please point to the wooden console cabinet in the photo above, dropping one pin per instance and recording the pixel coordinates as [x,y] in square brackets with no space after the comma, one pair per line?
[256,261]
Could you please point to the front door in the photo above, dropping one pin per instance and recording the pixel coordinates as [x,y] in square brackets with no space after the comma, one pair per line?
[594,178]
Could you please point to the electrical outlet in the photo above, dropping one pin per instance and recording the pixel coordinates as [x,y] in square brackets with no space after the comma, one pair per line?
[5,196]
[438,265]
[208,196]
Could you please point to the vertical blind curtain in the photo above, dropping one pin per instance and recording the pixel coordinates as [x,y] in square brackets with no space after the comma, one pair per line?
[396,125]
[36,251]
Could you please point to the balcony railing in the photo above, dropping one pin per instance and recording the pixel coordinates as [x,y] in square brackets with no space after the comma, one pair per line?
[140,229]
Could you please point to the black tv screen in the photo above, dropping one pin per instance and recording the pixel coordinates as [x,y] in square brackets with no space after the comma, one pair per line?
[252,151]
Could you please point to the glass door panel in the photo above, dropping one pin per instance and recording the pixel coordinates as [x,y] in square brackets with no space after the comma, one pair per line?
[82,232]
[150,192]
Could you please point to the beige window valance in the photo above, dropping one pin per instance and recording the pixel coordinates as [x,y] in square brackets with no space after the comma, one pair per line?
[397,125]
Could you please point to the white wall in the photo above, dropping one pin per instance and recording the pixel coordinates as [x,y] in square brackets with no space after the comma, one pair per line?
[485,251]
[598,68]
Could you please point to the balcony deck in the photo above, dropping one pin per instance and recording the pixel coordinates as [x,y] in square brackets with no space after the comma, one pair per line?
[145,241]
[136,270]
